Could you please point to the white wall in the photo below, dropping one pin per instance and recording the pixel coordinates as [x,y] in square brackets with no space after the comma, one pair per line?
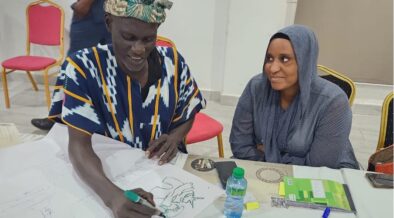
[190,24]
[223,41]
[249,29]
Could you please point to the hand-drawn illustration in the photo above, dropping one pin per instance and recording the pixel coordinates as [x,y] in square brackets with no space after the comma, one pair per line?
[174,196]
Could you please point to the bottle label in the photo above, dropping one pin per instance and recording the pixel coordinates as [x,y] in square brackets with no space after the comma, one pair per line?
[237,191]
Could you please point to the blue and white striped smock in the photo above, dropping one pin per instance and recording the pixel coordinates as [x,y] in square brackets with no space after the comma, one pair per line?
[93,95]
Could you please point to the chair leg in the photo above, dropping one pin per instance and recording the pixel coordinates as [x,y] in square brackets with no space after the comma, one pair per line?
[220,145]
[46,87]
[5,89]
[32,81]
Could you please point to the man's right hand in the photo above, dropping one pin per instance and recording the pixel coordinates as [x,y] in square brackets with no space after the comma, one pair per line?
[124,208]
[81,8]
[88,166]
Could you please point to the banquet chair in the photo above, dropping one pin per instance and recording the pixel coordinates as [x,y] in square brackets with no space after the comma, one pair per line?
[386,123]
[205,128]
[382,160]
[344,82]
[45,27]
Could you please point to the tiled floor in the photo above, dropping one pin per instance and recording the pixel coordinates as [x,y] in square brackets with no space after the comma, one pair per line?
[27,104]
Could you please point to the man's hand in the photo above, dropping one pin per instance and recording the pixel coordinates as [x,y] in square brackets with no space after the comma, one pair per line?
[82,7]
[165,144]
[88,166]
[122,207]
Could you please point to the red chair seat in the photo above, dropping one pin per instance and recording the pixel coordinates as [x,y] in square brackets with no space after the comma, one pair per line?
[204,128]
[28,63]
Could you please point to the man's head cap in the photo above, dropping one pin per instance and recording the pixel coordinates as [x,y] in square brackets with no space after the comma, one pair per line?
[150,11]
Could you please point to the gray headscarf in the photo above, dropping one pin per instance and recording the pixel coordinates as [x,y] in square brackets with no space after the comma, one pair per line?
[279,125]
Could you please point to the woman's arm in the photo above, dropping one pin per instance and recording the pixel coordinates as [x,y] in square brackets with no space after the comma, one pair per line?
[331,146]
[88,166]
[242,137]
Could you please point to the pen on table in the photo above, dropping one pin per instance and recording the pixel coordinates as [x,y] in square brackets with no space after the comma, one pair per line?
[134,197]
[326,212]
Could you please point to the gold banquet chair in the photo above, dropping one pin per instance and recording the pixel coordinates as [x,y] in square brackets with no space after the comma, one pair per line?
[382,159]
[386,123]
[344,82]
[45,26]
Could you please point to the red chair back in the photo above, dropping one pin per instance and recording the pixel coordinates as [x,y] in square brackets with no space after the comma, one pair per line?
[162,41]
[44,24]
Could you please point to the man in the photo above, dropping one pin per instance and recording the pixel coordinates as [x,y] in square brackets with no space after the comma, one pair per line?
[132,91]
[87,30]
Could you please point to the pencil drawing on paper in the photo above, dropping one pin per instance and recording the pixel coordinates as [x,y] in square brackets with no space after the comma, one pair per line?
[35,200]
[175,196]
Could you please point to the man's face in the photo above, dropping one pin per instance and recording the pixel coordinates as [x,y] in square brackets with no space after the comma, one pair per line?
[133,40]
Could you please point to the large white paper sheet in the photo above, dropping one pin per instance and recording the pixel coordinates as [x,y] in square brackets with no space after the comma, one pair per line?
[39,181]
[32,194]
[103,146]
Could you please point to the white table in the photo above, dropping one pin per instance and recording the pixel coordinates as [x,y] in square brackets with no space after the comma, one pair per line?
[369,202]
[30,158]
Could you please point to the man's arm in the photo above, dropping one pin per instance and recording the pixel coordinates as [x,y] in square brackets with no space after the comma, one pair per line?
[190,101]
[88,166]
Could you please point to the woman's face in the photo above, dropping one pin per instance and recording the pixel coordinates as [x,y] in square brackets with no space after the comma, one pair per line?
[281,66]
[133,40]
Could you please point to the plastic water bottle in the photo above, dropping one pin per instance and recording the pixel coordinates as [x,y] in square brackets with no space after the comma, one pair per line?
[235,190]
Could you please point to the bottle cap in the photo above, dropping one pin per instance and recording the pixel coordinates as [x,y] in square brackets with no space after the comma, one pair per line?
[238,172]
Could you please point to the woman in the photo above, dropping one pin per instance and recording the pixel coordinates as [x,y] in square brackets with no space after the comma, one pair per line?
[132,91]
[288,114]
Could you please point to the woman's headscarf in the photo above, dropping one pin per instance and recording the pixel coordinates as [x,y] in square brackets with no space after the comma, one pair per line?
[150,11]
[279,124]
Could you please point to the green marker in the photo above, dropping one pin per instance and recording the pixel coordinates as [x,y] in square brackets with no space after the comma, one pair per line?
[134,197]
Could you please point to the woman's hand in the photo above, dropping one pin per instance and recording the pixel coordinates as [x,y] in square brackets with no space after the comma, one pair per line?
[165,148]
[122,207]
[260,147]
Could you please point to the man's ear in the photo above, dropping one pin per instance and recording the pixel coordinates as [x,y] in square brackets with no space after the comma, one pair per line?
[108,21]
